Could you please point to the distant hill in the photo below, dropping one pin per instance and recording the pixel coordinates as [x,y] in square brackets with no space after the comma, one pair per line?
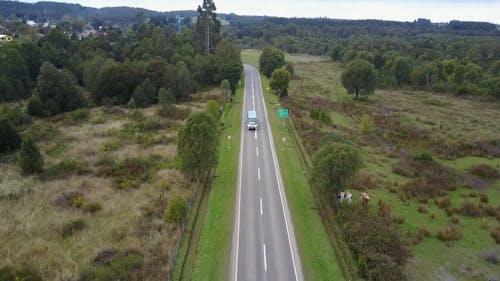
[55,11]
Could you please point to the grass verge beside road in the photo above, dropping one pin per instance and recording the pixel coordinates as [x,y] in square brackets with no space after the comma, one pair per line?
[213,251]
[317,255]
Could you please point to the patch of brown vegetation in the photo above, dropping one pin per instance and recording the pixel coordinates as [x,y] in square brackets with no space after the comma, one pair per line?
[416,238]
[364,181]
[444,202]
[495,233]
[376,245]
[479,210]
[484,171]
[449,234]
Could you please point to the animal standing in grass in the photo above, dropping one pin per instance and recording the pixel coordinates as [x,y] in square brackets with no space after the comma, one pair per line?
[365,199]
[345,196]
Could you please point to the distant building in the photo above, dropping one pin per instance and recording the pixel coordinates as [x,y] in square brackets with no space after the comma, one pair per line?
[31,23]
[5,38]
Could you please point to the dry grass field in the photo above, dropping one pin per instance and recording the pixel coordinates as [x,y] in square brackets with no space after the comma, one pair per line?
[447,208]
[96,212]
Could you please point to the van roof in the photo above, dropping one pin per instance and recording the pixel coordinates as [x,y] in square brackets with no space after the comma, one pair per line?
[252,114]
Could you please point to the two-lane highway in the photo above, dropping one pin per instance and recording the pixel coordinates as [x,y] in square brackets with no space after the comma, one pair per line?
[263,245]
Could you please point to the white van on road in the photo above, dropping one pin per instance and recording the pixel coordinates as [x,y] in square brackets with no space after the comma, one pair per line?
[252,122]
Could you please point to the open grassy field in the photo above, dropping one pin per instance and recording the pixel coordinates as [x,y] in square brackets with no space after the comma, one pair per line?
[97,209]
[252,57]
[459,133]
[318,259]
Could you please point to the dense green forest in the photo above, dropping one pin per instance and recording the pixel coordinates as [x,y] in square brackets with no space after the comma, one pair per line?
[458,57]
[64,73]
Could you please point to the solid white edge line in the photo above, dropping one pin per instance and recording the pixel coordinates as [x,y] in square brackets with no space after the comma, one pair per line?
[261,210]
[278,176]
[240,172]
[265,256]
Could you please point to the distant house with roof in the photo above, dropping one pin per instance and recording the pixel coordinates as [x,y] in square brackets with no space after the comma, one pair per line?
[5,38]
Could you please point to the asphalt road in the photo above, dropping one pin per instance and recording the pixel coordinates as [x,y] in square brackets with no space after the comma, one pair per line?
[263,244]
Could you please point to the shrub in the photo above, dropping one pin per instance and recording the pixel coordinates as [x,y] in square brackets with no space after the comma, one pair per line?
[66,168]
[333,138]
[213,107]
[35,106]
[66,199]
[397,219]
[422,209]
[145,94]
[30,159]
[92,207]
[454,220]
[71,227]
[470,209]
[492,256]
[374,241]
[165,97]
[325,117]
[449,234]
[419,236]
[97,119]
[120,267]
[444,202]
[495,233]
[111,145]
[131,104]
[384,210]
[364,181]
[78,201]
[129,173]
[19,273]
[366,124]
[10,140]
[320,115]
[484,198]
[423,155]
[81,114]
[177,211]
[484,171]
[15,115]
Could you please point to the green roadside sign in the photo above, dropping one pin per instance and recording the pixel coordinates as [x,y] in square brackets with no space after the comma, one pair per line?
[283,113]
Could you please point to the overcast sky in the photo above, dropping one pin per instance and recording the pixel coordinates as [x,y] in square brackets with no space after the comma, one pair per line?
[437,11]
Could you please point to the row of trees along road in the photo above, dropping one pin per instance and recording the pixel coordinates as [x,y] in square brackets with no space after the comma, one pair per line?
[272,64]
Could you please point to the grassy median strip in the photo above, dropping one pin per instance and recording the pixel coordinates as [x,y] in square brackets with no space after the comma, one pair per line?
[212,259]
[317,255]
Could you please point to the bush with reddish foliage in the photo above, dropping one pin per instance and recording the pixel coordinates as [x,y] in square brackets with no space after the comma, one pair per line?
[422,209]
[495,233]
[470,209]
[419,236]
[376,244]
[479,210]
[364,181]
[484,198]
[484,171]
[444,202]
[449,234]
